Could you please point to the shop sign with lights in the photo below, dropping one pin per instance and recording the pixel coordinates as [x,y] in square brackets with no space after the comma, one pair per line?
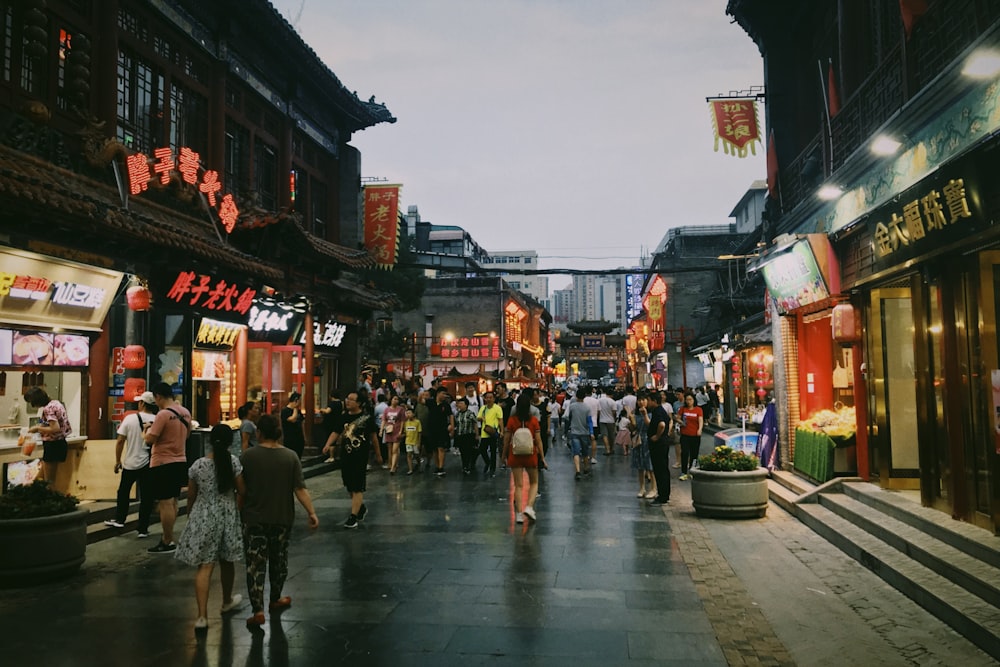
[216,335]
[471,347]
[209,293]
[141,169]
[328,334]
[273,321]
[38,291]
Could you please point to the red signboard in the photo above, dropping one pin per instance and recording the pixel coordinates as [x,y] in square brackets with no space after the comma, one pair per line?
[735,123]
[140,170]
[208,293]
[471,347]
[382,223]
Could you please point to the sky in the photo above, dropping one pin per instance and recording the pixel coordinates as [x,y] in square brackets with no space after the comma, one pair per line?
[577,128]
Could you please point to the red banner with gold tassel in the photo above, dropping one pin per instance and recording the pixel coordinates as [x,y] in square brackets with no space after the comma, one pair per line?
[382,223]
[734,120]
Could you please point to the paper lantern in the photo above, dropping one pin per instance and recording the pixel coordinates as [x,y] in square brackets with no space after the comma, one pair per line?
[389,368]
[134,357]
[762,392]
[134,388]
[844,323]
[435,373]
[137,297]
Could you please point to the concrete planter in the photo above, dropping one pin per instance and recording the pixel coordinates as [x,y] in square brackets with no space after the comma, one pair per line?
[42,549]
[729,495]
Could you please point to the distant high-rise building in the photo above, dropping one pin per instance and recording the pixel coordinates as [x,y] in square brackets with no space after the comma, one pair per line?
[509,262]
[562,306]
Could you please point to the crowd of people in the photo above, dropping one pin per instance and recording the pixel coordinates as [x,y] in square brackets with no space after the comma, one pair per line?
[241,493]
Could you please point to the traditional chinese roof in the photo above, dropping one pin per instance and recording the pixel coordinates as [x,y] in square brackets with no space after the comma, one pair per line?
[356,259]
[89,212]
[362,295]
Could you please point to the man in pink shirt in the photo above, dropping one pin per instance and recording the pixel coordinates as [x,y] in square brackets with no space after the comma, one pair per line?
[168,470]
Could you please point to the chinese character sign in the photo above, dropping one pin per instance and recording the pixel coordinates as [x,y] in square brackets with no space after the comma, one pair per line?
[382,223]
[471,348]
[209,293]
[141,170]
[735,123]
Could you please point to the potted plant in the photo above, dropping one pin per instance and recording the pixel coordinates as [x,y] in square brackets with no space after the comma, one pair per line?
[43,535]
[729,484]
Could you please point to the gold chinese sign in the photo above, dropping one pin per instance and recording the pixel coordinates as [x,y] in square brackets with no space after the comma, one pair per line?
[382,223]
[924,217]
[734,120]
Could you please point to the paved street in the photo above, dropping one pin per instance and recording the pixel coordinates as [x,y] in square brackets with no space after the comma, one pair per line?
[440,574]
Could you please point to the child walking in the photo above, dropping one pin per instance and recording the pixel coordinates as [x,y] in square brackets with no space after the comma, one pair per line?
[412,432]
[625,425]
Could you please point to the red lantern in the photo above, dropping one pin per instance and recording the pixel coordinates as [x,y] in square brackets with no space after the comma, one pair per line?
[134,388]
[134,357]
[762,392]
[137,297]
[389,368]
[435,373]
[436,349]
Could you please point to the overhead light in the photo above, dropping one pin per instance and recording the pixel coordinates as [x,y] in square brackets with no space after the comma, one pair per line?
[983,64]
[829,192]
[883,144]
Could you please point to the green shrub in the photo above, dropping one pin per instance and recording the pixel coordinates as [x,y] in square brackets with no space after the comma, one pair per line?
[35,500]
[726,459]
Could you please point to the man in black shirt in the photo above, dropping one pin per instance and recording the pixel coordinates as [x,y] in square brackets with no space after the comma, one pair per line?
[355,434]
[658,433]
[441,426]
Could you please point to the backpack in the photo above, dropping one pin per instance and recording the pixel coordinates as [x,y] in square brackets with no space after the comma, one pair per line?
[522,442]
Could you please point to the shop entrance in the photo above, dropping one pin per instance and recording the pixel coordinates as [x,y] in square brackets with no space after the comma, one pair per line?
[892,392]
[274,372]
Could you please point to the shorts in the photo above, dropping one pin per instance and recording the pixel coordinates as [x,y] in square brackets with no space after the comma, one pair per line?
[442,444]
[413,449]
[165,481]
[54,451]
[579,445]
[353,470]
[609,430]
[524,461]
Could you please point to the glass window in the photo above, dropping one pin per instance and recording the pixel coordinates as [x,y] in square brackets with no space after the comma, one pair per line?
[140,103]
[237,167]
[188,118]
[265,175]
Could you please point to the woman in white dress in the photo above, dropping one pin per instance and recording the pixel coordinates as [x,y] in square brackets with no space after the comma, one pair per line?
[213,531]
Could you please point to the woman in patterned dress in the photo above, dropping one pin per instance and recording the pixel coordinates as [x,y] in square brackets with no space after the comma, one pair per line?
[641,462]
[213,532]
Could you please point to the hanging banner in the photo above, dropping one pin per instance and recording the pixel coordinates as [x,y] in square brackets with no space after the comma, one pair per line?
[382,223]
[734,120]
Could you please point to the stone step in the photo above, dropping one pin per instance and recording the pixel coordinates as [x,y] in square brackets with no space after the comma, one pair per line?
[963,536]
[967,614]
[972,574]
[782,496]
[794,483]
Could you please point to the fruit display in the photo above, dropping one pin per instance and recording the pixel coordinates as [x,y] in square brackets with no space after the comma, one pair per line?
[840,423]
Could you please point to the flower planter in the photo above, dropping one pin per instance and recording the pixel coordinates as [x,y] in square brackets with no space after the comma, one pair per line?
[729,495]
[42,549]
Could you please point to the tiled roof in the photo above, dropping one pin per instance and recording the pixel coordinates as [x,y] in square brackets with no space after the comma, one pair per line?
[38,187]
[356,259]
[362,295]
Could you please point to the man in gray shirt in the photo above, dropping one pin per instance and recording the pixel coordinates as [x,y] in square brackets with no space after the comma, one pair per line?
[581,432]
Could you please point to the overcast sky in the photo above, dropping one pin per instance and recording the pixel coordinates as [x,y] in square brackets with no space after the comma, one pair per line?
[578,128]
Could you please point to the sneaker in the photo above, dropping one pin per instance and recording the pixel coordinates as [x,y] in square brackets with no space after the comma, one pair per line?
[256,620]
[363,512]
[440,472]
[409,472]
[142,534]
[530,513]
[519,519]
[368,468]
[652,494]
[162,548]
[593,461]
[232,605]
[111,523]
[385,466]
[201,624]
[676,465]
[656,502]
[330,460]
[577,477]
[685,477]
[352,522]
[281,603]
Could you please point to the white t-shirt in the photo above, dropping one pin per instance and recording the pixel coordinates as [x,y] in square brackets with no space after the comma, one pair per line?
[628,402]
[607,409]
[554,409]
[594,408]
[136,454]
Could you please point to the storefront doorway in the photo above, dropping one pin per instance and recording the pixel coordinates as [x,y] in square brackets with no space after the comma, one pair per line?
[274,372]
[892,393]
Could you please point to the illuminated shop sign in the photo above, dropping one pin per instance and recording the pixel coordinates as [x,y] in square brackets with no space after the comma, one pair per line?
[471,347]
[38,291]
[209,293]
[329,334]
[794,278]
[214,334]
[37,348]
[187,164]
[273,321]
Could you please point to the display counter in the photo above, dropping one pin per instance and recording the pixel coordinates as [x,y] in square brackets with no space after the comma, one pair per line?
[822,457]
[88,472]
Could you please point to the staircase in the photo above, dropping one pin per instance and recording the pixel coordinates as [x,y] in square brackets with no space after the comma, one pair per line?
[950,568]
